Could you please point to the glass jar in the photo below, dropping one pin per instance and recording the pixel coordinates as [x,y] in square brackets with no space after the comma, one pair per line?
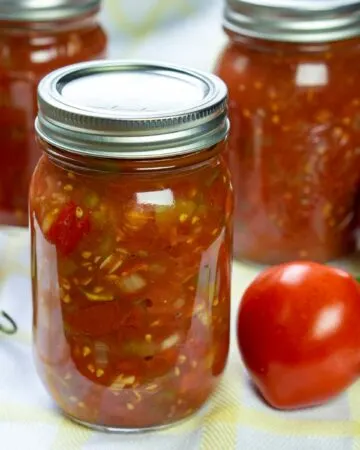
[131,214]
[34,40]
[294,148]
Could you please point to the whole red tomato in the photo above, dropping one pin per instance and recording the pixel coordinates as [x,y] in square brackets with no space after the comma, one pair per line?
[299,333]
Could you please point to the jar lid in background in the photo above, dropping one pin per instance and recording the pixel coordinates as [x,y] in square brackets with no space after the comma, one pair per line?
[132,110]
[45,10]
[294,20]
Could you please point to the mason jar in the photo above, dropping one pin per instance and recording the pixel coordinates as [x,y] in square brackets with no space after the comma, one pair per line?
[131,224]
[294,150]
[35,38]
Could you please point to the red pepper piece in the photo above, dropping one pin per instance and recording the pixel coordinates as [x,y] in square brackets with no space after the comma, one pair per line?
[71,225]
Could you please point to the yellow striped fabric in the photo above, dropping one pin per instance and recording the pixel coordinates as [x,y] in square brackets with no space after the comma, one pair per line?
[141,17]
[234,419]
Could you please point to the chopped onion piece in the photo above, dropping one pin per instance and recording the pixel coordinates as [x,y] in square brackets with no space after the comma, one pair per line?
[157,268]
[132,283]
[48,221]
[122,381]
[101,351]
[180,303]
[170,342]
[101,297]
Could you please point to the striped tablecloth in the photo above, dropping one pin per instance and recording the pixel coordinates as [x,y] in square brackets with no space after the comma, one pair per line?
[235,418]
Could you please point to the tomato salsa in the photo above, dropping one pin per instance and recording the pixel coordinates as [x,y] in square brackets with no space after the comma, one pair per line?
[131,278]
[294,148]
[33,43]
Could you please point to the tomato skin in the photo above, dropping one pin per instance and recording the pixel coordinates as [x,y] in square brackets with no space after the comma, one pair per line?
[69,228]
[299,333]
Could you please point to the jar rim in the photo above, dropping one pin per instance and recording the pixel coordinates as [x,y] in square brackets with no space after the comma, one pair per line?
[131,110]
[46,10]
[299,21]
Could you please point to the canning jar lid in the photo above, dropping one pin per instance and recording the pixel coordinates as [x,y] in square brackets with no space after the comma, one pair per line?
[294,20]
[131,110]
[45,10]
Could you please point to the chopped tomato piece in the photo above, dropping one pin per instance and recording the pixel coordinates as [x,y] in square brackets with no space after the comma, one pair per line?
[71,225]
[87,321]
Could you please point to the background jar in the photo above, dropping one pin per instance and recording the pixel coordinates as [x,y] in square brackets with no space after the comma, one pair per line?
[131,214]
[294,148]
[34,40]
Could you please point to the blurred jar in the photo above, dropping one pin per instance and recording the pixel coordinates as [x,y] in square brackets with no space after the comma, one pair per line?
[35,38]
[293,77]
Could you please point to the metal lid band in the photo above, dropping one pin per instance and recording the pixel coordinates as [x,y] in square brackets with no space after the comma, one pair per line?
[302,21]
[131,110]
[45,10]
